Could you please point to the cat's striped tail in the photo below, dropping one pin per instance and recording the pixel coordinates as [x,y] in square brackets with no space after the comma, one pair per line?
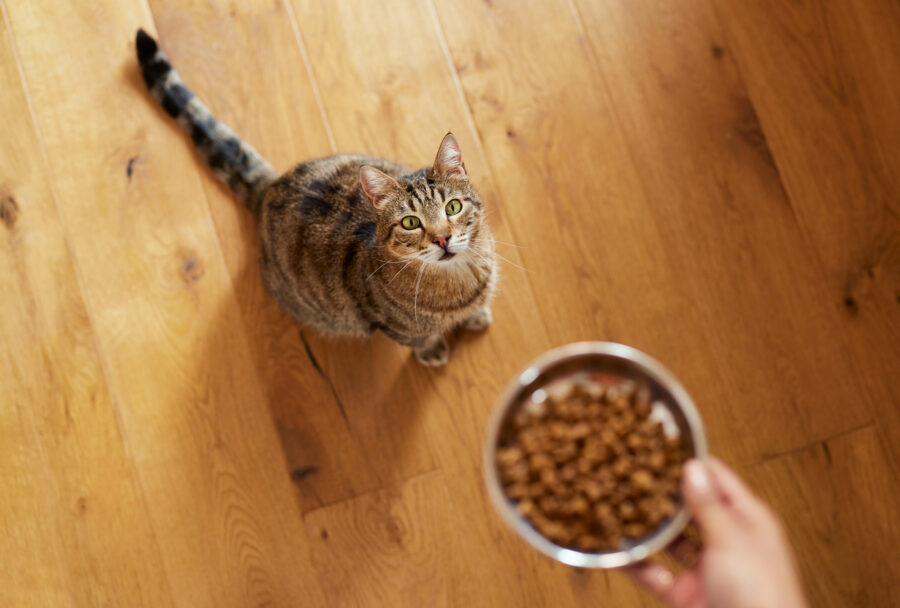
[232,160]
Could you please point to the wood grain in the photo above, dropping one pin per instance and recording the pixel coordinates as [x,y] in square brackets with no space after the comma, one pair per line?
[83,516]
[163,313]
[308,412]
[832,500]
[451,407]
[714,182]
[757,291]
[824,78]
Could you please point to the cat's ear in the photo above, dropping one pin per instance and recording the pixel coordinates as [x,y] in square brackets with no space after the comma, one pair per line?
[378,186]
[449,162]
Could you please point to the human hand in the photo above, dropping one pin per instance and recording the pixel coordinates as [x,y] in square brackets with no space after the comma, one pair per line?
[746,559]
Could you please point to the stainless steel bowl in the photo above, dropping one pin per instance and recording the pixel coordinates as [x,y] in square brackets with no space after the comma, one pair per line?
[563,362]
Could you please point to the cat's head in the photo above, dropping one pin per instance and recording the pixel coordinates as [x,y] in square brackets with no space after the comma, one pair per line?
[434,215]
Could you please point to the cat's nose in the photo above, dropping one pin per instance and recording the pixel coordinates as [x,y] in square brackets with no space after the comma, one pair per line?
[441,240]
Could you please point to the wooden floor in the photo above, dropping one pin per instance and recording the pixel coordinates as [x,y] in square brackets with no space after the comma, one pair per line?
[716,182]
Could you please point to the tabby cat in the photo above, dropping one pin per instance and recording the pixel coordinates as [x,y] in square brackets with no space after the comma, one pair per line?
[353,244]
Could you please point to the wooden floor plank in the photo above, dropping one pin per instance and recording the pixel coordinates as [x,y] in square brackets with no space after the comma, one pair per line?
[839,505]
[156,288]
[396,91]
[825,79]
[379,549]
[727,224]
[574,175]
[258,84]
[76,529]
[396,397]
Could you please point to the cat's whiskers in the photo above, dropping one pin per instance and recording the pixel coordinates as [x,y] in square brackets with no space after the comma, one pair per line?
[401,270]
[416,293]
[382,266]
[487,261]
[506,243]
[510,262]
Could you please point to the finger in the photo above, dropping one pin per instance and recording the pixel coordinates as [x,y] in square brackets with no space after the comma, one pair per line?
[685,550]
[687,591]
[713,518]
[734,492]
[654,577]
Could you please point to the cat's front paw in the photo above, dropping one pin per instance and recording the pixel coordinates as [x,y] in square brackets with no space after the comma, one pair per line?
[480,320]
[435,354]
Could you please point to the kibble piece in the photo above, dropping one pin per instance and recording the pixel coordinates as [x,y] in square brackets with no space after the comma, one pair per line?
[549,477]
[518,472]
[619,448]
[580,393]
[668,487]
[550,505]
[556,531]
[673,472]
[509,456]
[565,452]
[666,507]
[642,481]
[617,497]
[531,439]
[522,419]
[558,430]
[576,506]
[536,490]
[656,461]
[563,410]
[526,507]
[627,510]
[635,442]
[584,466]
[614,540]
[622,467]
[579,431]
[592,490]
[540,460]
[595,451]
[642,460]
[568,473]
[518,491]
[608,437]
[634,530]
[589,542]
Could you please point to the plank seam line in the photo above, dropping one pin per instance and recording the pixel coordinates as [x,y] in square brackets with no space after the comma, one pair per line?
[386,487]
[473,126]
[313,83]
[770,457]
[101,357]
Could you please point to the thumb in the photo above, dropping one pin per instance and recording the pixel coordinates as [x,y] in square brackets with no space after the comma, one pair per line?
[704,503]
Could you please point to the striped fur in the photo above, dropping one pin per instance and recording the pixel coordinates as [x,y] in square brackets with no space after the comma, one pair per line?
[335,254]
[232,160]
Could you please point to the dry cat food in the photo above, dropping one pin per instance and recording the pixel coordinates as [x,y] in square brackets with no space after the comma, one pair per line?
[591,462]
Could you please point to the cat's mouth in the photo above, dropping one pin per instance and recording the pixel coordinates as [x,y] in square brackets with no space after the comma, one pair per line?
[447,256]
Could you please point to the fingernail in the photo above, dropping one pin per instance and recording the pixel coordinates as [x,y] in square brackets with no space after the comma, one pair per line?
[697,478]
[664,578]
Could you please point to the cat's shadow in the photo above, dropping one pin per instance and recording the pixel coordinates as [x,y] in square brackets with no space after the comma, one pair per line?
[348,411]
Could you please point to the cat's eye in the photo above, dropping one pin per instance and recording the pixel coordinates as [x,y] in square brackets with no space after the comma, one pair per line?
[453,207]
[410,222]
